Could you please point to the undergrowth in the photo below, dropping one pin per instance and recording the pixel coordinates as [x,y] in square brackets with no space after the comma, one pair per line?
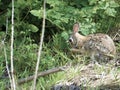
[53,55]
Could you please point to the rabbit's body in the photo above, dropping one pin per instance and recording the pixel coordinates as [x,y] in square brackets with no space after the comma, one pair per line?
[99,46]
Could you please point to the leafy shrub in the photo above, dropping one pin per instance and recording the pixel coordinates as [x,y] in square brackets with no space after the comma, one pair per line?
[93,15]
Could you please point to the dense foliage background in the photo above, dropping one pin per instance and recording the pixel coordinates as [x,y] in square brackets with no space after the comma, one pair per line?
[94,16]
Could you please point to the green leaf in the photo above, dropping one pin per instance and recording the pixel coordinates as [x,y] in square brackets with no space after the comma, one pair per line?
[103,5]
[37,13]
[110,12]
[91,2]
[54,3]
[65,35]
[33,28]
[113,4]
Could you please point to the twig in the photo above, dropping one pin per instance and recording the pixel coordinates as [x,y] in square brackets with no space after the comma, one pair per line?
[3,42]
[117,34]
[12,41]
[40,47]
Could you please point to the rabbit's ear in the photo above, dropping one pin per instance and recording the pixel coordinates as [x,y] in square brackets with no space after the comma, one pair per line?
[76,27]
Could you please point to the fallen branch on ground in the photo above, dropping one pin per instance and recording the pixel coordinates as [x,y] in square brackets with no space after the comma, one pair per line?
[54,70]
[47,72]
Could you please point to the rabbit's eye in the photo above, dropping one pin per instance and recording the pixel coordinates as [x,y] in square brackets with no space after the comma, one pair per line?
[70,40]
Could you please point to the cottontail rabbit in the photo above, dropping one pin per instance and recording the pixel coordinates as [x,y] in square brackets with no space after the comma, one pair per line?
[97,46]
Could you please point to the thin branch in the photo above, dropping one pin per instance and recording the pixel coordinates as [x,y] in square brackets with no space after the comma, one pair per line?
[11,56]
[40,47]
[7,67]
[117,34]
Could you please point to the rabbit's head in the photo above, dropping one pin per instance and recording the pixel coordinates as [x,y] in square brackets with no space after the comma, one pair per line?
[73,38]
[76,39]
